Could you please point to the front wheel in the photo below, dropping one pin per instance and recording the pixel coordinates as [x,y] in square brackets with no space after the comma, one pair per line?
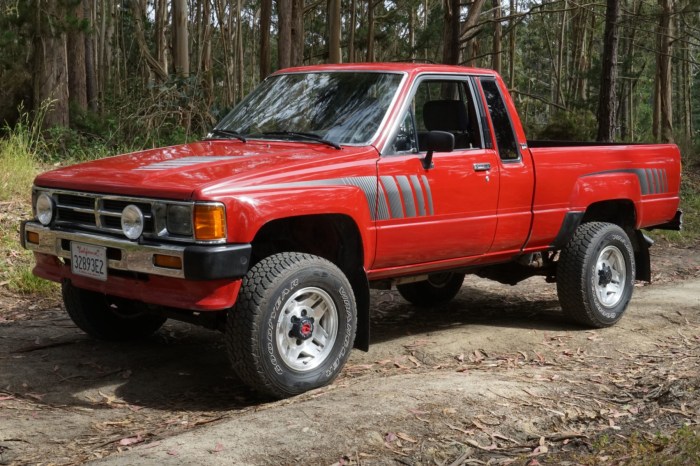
[108,318]
[595,275]
[437,290]
[293,325]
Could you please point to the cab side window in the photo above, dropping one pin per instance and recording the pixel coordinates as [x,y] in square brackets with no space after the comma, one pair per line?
[442,105]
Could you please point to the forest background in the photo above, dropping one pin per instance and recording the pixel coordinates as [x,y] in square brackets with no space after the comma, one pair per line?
[115,75]
[83,79]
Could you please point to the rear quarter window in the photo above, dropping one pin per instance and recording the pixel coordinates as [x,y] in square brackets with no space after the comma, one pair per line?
[502,126]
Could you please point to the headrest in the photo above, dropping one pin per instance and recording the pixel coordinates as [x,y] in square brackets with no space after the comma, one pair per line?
[445,115]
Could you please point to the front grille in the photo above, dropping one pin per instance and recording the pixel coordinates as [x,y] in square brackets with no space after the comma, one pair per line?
[96,212]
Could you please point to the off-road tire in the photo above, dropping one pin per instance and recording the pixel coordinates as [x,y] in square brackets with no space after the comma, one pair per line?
[106,318]
[581,271]
[252,327]
[435,291]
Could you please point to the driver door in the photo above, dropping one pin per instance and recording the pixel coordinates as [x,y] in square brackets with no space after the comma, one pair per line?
[447,211]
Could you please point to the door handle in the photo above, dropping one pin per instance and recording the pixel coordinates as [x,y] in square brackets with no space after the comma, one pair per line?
[482,167]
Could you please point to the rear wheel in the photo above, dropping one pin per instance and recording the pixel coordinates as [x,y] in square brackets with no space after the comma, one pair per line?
[438,289]
[293,325]
[108,318]
[595,275]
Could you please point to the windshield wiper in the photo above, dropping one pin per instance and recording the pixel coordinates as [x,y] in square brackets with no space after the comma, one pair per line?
[301,135]
[227,133]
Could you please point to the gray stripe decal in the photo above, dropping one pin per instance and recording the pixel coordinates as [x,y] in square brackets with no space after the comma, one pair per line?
[419,194]
[665,180]
[407,194]
[651,180]
[384,199]
[428,194]
[658,181]
[643,182]
[383,213]
[368,185]
[393,195]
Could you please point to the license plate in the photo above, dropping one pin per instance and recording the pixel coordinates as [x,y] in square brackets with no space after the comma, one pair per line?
[88,260]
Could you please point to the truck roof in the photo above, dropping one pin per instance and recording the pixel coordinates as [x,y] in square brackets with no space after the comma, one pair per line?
[396,67]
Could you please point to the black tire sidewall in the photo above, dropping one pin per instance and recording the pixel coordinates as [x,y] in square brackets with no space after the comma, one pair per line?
[283,377]
[615,237]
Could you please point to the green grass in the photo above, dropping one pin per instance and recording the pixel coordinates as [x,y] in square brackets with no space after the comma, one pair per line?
[20,165]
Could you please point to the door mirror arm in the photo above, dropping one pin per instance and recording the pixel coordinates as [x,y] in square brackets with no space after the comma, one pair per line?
[437,141]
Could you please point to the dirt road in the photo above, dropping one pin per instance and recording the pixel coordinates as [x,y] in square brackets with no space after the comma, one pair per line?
[496,376]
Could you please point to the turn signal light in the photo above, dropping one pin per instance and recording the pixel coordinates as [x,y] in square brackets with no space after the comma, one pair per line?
[32,237]
[209,222]
[167,262]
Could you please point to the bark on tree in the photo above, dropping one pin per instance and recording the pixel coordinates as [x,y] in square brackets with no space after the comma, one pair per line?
[297,57]
[663,120]
[77,85]
[450,38]
[284,35]
[351,31]
[90,74]
[161,20]
[470,30]
[265,24]
[511,45]
[370,30]
[608,79]
[181,50]
[496,58]
[152,63]
[50,63]
[334,30]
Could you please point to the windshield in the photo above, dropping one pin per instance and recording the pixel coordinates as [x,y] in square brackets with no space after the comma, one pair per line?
[342,107]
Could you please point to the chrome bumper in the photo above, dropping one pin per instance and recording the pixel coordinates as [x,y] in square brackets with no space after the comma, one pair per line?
[133,257]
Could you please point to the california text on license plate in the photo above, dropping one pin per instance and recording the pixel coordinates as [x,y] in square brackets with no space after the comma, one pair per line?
[88,260]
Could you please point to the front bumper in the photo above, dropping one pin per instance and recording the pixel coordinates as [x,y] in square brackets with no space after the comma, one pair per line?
[199,262]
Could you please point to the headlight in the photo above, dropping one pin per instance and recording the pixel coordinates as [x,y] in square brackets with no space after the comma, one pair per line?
[44,209]
[179,220]
[209,222]
[132,221]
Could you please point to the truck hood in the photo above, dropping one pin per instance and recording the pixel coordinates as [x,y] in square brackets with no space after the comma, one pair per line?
[183,172]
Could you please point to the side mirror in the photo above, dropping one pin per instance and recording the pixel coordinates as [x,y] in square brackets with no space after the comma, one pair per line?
[437,141]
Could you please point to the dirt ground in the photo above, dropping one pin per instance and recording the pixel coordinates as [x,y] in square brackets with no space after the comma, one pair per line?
[495,377]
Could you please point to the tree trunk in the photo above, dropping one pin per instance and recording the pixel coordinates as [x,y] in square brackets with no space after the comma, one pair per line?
[297,57]
[511,45]
[663,122]
[152,64]
[470,29]
[50,64]
[77,86]
[181,39]
[284,35]
[239,52]
[351,31]
[334,30]
[559,94]
[161,20]
[370,30]
[450,38]
[608,79]
[265,24]
[205,65]
[91,85]
[496,62]
[412,32]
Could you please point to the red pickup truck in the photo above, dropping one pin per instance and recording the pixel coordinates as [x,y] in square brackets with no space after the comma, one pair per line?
[327,181]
